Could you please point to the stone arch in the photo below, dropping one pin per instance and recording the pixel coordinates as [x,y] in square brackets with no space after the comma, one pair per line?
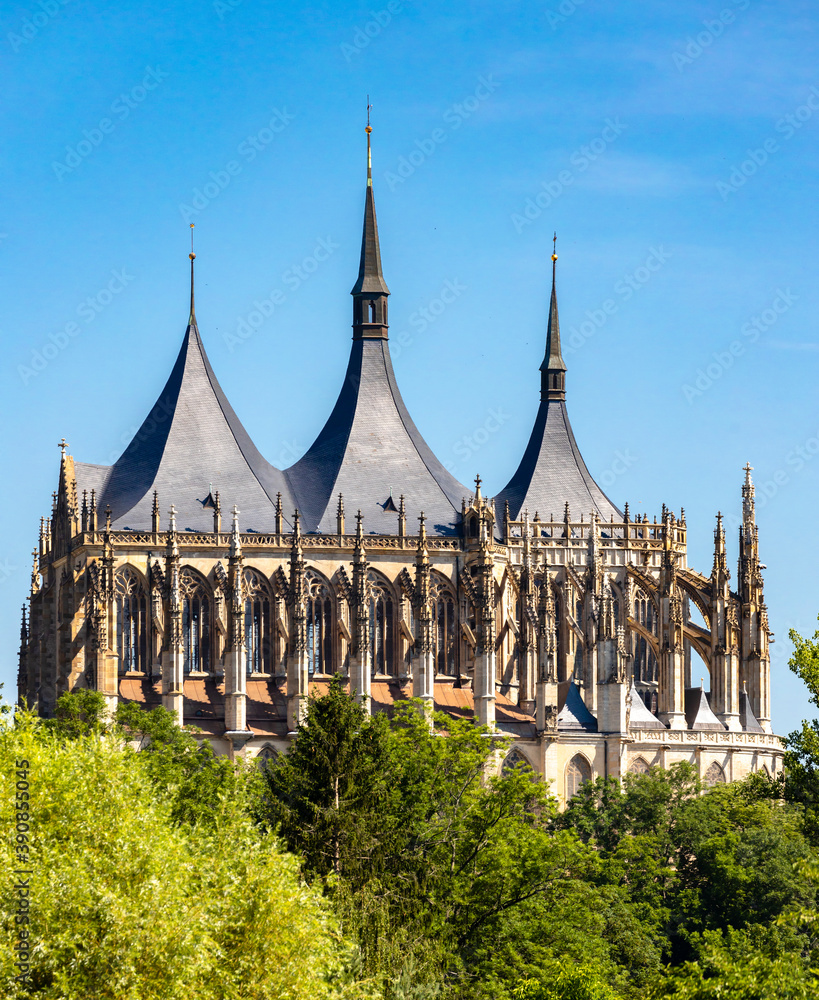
[132,621]
[381,606]
[715,775]
[196,606]
[639,766]
[578,772]
[320,606]
[266,756]
[257,624]
[516,758]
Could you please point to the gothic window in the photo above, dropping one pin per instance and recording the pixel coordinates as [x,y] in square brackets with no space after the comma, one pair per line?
[381,625]
[715,775]
[577,773]
[371,309]
[473,527]
[645,662]
[443,627]
[514,759]
[257,631]
[196,621]
[639,766]
[266,757]
[132,621]
[319,624]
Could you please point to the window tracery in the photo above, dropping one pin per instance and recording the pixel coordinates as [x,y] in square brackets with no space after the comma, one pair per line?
[382,628]
[257,625]
[132,621]
[319,624]
[443,626]
[196,621]
[578,773]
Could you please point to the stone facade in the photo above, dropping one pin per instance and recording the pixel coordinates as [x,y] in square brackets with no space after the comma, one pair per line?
[546,613]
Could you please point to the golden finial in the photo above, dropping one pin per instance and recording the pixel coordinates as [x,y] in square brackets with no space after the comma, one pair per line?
[368,129]
[192,255]
[554,247]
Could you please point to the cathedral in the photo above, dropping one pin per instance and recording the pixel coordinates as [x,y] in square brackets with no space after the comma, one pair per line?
[193,574]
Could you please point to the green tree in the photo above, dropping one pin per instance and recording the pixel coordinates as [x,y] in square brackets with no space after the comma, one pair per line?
[127,902]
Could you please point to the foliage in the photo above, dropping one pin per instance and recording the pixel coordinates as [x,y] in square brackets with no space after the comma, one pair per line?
[130,900]
[743,965]
[561,982]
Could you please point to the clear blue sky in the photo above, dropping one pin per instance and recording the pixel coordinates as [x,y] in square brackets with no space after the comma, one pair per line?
[672,146]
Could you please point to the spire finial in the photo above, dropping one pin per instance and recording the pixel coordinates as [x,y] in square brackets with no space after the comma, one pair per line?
[192,257]
[368,130]
[478,482]
[62,445]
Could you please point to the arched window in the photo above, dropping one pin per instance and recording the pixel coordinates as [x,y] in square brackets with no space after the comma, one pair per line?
[132,621]
[443,627]
[319,625]
[645,662]
[577,773]
[266,757]
[514,759]
[381,625]
[639,766]
[196,618]
[715,775]
[256,624]
[371,310]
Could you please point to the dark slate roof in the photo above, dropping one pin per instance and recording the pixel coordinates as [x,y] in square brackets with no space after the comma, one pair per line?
[190,442]
[573,714]
[747,719]
[552,471]
[698,714]
[370,451]
[370,448]
[641,717]
[370,278]
[553,359]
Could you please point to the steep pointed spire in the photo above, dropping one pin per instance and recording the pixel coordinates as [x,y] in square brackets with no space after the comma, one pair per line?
[553,369]
[748,491]
[552,470]
[370,290]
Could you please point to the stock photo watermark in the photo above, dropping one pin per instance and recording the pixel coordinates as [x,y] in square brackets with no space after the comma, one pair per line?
[34,23]
[87,310]
[580,160]
[453,118]
[722,361]
[222,7]
[248,149]
[554,18]
[712,29]
[21,886]
[468,445]
[624,289]
[424,316]
[370,30]
[787,126]
[264,308]
[121,108]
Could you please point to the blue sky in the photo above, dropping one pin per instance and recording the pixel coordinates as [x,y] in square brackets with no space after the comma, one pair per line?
[672,146]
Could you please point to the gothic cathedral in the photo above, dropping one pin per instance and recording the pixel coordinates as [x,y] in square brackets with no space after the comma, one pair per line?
[545,612]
